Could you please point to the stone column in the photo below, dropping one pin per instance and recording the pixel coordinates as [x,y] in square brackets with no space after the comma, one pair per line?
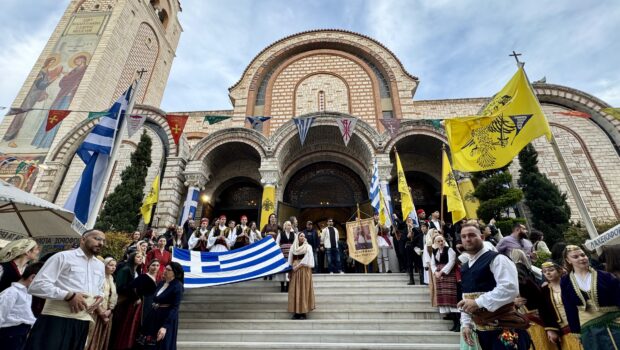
[385,176]
[170,193]
[196,177]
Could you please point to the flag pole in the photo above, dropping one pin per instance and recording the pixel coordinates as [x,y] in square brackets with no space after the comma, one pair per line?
[118,137]
[572,186]
[443,153]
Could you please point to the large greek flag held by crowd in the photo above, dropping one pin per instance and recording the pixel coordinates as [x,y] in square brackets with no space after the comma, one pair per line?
[260,259]
[95,152]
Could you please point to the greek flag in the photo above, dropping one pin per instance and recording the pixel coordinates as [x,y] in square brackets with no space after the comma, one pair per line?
[191,203]
[260,259]
[95,151]
[374,187]
[303,126]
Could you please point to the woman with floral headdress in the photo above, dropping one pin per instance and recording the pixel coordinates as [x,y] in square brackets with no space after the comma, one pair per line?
[592,302]
[552,310]
[301,291]
[99,332]
[13,260]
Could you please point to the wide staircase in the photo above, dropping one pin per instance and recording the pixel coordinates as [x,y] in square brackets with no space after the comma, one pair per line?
[353,311]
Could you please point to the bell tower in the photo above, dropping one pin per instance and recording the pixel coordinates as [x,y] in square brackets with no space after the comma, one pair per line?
[89,60]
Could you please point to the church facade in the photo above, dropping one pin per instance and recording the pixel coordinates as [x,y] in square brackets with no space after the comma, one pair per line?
[325,74]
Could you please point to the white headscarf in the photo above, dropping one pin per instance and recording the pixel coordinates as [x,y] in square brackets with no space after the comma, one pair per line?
[17,248]
[300,249]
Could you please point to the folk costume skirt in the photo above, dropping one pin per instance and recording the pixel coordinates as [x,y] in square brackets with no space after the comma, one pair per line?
[57,333]
[99,334]
[602,333]
[445,288]
[301,291]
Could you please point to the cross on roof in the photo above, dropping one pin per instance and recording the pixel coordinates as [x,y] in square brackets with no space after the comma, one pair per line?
[516,56]
[141,72]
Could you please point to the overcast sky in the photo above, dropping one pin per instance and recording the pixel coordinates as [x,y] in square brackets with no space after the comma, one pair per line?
[457,48]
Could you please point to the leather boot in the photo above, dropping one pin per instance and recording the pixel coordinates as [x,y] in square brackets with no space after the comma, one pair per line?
[456,322]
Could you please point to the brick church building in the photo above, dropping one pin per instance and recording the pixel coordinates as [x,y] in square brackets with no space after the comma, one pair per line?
[327,74]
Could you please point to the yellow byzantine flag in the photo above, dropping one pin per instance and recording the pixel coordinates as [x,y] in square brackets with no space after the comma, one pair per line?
[383,214]
[507,124]
[150,200]
[406,202]
[450,189]
[268,204]
[466,188]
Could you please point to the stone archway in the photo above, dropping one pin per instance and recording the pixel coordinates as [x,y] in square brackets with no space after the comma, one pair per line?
[419,150]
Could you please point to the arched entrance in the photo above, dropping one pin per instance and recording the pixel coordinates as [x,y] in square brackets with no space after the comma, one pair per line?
[322,190]
[420,155]
[236,197]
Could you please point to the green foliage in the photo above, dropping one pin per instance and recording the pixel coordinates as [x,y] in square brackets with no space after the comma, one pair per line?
[505,225]
[122,207]
[495,194]
[550,211]
[541,257]
[115,243]
[577,234]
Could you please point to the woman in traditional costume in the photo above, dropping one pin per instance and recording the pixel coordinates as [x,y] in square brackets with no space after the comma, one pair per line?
[443,266]
[160,254]
[128,309]
[285,240]
[271,228]
[159,329]
[177,240]
[145,286]
[301,291]
[530,299]
[552,310]
[14,258]
[255,234]
[592,302]
[99,332]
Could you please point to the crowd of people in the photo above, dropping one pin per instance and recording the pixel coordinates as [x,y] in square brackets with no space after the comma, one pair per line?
[77,299]
[479,279]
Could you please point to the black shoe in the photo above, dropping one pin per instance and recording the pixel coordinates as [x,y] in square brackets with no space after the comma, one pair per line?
[448,317]
[295,317]
[411,283]
[282,290]
[302,316]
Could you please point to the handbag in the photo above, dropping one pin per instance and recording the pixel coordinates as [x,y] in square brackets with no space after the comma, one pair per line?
[506,316]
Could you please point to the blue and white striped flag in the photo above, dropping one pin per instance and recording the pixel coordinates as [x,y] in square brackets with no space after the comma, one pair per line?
[303,126]
[95,151]
[374,187]
[257,122]
[260,259]
[191,203]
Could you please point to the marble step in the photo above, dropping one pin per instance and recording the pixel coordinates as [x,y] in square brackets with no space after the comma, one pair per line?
[281,313]
[321,297]
[320,336]
[344,287]
[320,284]
[184,345]
[405,324]
[369,305]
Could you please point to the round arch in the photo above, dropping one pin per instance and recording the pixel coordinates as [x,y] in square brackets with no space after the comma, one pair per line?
[252,138]
[366,134]
[373,52]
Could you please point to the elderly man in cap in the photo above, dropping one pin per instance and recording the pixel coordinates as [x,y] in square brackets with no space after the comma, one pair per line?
[72,282]
[14,258]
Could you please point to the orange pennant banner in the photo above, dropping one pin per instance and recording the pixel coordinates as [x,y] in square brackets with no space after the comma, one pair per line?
[54,117]
[176,124]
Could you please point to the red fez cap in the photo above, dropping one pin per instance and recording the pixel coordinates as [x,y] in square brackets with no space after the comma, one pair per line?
[420,211]
[222,217]
[244,217]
